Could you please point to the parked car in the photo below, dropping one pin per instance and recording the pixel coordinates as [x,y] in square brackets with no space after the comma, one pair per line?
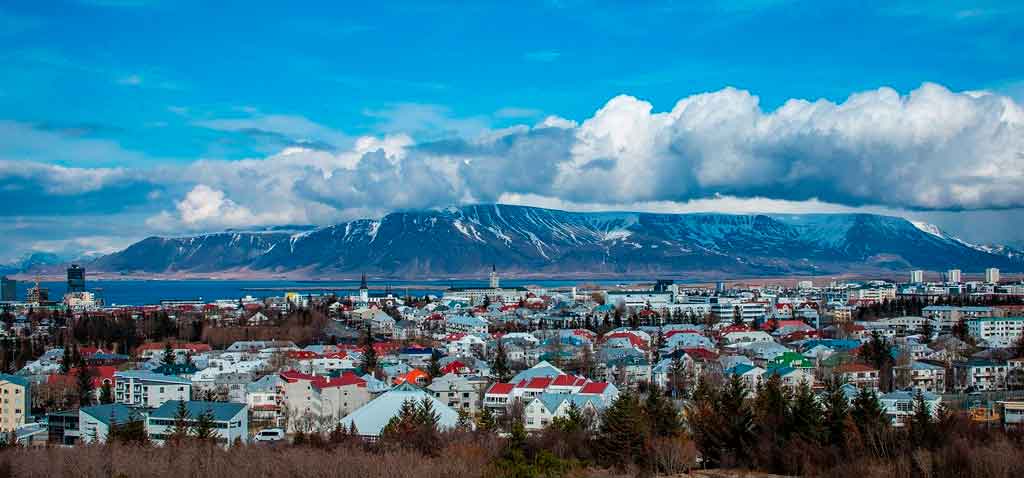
[270,434]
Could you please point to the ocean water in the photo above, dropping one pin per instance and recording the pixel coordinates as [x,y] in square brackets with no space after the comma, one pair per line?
[145,292]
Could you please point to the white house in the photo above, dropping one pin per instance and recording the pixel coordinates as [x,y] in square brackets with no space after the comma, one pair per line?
[94,422]
[231,420]
[540,410]
[899,405]
[140,388]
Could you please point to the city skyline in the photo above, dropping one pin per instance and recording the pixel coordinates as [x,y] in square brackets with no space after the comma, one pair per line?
[123,119]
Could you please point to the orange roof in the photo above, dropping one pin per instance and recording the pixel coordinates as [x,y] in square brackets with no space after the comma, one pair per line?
[413,376]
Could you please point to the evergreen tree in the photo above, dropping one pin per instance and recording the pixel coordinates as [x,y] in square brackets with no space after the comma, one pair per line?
[486,422]
[434,366]
[922,424]
[465,422]
[573,421]
[867,412]
[663,418]
[772,411]
[621,435]
[106,394]
[84,385]
[169,359]
[370,361]
[805,417]
[205,428]
[131,431]
[501,370]
[65,363]
[836,411]
[426,416]
[339,434]
[181,428]
[738,433]
[677,377]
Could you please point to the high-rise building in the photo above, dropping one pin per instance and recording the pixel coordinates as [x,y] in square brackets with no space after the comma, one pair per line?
[953,276]
[8,289]
[38,294]
[76,278]
[916,277]
[992,275]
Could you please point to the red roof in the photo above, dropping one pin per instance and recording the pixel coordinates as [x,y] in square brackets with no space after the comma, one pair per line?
[501,389]
[292,376]
[734,328]
[346,379]
[594,388]
[454,367]
[538,383]
[102,373]
[566,381]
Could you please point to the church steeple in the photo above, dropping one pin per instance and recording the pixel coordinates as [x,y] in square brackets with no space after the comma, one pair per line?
[364,291]
[494,277]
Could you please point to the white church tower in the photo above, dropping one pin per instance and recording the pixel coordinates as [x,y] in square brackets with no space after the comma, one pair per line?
[364,291]
[495,284]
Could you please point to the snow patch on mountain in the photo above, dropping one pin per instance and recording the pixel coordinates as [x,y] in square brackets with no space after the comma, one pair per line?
[930,229]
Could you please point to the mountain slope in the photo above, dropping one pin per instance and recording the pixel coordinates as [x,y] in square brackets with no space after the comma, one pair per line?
[518,239]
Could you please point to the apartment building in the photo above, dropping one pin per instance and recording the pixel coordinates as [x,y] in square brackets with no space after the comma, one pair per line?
[15,402]
[140,388]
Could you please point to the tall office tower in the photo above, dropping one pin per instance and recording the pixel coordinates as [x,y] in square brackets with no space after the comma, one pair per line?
[916,277]
[76,278]
[992,275]
[953,276]
[38,294]
[8,289]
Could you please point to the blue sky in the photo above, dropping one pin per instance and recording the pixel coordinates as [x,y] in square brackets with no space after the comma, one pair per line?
[157,103]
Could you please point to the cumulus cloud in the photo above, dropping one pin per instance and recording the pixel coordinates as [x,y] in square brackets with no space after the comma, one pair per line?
[932,149]
[929,150]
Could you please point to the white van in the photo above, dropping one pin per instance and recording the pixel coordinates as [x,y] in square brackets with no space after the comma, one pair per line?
[270,434]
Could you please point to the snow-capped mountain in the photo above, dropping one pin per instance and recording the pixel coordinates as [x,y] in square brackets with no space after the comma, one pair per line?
[518,239]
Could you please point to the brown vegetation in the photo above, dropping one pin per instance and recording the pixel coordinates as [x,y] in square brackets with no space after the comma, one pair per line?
[463,459]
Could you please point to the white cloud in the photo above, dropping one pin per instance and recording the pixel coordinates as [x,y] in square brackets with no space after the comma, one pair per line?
[878,151]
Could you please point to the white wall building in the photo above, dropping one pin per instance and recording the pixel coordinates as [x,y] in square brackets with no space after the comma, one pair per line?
[139,388]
